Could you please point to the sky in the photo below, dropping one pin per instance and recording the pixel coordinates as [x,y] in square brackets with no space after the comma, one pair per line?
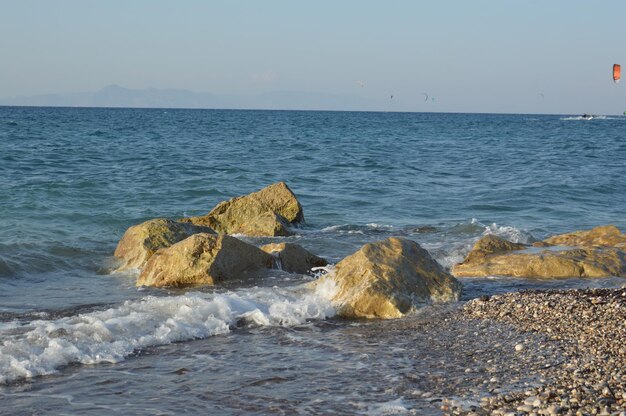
[501,56]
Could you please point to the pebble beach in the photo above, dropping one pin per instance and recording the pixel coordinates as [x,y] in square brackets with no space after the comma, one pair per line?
[587,329]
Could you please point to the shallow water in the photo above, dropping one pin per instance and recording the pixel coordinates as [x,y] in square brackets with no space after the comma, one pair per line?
[326,367]
[72,180]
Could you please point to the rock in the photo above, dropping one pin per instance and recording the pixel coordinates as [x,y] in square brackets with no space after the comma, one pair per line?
[141,241]
[202,259]
[293,258]
[541,244]
[490,244]
[548,264]
[387,279]
[268,212]
[604,236]
[500,257]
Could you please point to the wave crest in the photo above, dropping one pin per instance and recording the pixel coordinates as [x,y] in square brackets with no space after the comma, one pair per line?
[41,347]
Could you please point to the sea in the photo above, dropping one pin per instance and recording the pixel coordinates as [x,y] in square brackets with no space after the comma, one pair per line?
[77,338]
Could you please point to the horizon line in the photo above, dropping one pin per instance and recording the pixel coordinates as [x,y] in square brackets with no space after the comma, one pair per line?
[285,110]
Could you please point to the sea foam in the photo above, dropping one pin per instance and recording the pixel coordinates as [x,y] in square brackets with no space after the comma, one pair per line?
[41,347]
[510,233]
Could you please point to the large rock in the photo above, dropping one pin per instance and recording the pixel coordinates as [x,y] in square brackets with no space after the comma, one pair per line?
[141,241]
[387,279]
[604,236]
[503,258]
[293,258]
[268,212]
[203,259]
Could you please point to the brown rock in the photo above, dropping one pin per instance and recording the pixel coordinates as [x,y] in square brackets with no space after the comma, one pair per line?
[268,212]
[141,241]
[490,244]
[504,259]
[389,278]
[603,236]
[293,258]
[202,259]
[541,244]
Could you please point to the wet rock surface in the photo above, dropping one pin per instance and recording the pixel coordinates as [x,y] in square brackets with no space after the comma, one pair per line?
[202,259]
[598,252]
[268,212]
[602,236]
[141,241]
[388,279]
[293,258]
[585,327]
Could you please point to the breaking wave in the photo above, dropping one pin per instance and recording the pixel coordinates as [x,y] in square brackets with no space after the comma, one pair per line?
[42,347]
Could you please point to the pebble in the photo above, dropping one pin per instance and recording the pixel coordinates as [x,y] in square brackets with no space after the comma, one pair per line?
[587,327]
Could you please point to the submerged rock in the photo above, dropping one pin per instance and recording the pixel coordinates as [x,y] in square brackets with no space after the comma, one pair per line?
[268,212]
[580,254]
[202,259]
[293,258]
[389,278]
[141,241]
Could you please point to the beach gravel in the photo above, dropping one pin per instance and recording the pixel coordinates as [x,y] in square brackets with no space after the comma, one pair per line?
[587,327]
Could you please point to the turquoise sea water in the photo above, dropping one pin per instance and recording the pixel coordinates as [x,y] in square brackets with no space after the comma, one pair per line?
[72,180]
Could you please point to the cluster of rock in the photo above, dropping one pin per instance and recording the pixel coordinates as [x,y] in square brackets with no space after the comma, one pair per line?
[200,250]
[599,252]
[386,279]
[587,327]
[390,278]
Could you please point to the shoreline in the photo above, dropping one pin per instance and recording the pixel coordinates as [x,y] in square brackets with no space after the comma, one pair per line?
[587,327]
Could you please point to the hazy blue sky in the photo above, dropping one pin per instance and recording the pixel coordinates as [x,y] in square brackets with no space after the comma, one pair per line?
[473,56]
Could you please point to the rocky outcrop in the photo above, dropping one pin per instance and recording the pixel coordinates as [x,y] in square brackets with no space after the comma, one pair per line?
[604,236]
[141,241]
[203,259]
[293,258]
[592,253]
[387,279]
[268,212]
[581,262]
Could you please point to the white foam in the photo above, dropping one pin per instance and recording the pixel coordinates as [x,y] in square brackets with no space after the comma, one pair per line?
[327,288]
[586,118]
[43,346]
[394,407]
[332,228]
[375,226]
[342,229]
[510,233]
[239,235]
[455,255]
[357,229]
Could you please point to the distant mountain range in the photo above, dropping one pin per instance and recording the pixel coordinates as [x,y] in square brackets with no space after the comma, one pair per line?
[116,96]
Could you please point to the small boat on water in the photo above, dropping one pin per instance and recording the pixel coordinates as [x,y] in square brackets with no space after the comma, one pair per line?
[586,117]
